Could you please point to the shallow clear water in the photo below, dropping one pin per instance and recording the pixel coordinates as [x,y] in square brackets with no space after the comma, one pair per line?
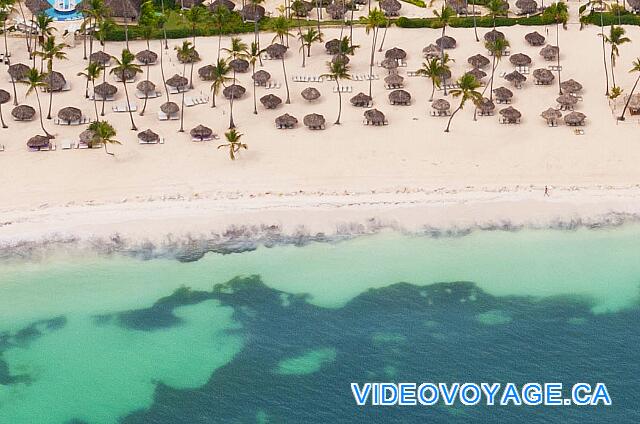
[286,329]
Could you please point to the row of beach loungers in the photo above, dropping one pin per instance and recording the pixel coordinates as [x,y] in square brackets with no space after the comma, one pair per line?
[365,77]
[343,89]
[272,85]
[82,121]
[305,78]
[197,100]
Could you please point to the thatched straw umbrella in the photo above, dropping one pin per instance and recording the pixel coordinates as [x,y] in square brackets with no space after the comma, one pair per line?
[310,94]
[192,57]
[551,115]
[17,72]
[206,72]
[4,98]
[431,51]
[286,121]
[516,78]
[575,119]
[201,132]
[535,38]
[336,11]
[446,42]
[126,75]
[147,57]
[69,114]
[634,104]
[361,100]
[390,7]
[510,114]
[23,113]
[570,86]
[389,64]
[239,65]
[520,59]
[477,73]
[486,107]
[87,137]
[54,81]
[100,57]
[395,53]
[332,46]
[459,6]
[105,90]
[314,121]
[340,57]
[493,35]
[234,90]
[478,61]
[441,106]
[261,77]
[276,50]
[301,9]
[148,136]
[170,108]
[503,94]
[178,81]
[400,97]
[527,6]
[394,81]
[146,87]
[252,12]
[270,101]
[37,6]
[374,117]
[543,76]
[566,101]
[39,142]
[635,5]
[227,4]
[549,52]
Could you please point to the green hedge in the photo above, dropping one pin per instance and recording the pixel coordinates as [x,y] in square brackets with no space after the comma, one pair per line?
[611,19]
[418,3]
[467,22]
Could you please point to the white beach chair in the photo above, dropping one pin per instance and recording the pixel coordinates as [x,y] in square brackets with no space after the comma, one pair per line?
[67,144]
[189,101]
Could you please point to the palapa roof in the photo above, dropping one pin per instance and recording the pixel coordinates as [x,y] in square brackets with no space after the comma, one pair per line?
[635,4]
[534,38]
[441,105]
[170,108]
[360,99]
[201,132]
[126,74]
[549,52]
[38,141]
[55,81]
[123,8]
[310,94]
[336,10]
[575,118]
[148,136]
[478,61]
[400,96]
[543,75]
[527,6]
[192,57]
[286,120]
[446,42]
[332,46]
[227,4]
[515,77]
[23,112]
[460,6]
[147,57]
[100,57]
[570,86]
[374,116]
[493,35]
[503,93]
[394,79]
[566,100]
[234,90]
[276,50]
[634,101]
[477,73]
[239,65]
[432,51]
[252,12]
[146,87]
[261,76]
[510,113]
[391,7]
[301,8]
[486,105]
[206,72]
[105,89]
[70,114]
[395,53]
[18,71]
[86,136]
[5,96]
[178,81]
[313,120]
[341,57]
[37,6]
[520,59]
[270,101]
[551,114]
[389,64]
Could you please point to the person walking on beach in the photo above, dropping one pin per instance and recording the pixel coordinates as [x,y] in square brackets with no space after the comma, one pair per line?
[546,191]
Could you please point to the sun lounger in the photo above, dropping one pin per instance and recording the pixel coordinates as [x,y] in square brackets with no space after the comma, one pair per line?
[176,90]
[1,147]
[100,98]
[123,107]
[189,101]
[130,80]
[578,131]
[140,95]
[164,117]
[67,144]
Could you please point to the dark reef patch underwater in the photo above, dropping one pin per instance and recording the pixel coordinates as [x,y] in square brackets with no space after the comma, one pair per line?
[298,359]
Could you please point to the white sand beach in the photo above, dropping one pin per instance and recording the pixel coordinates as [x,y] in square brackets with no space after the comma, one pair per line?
[408,171]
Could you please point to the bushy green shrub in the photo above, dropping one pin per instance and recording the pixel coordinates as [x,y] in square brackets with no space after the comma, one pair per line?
[467,22]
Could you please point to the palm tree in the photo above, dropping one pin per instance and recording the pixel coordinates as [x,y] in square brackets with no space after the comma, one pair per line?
[280,26]
[346,46]
[475,23]
[125,65]
[497,48]
[468,85]
[161,20]
[94,12]
[233,143]
[219,18]
[559,14]
[51,51]
[6,8]
[194,17]
[44,23]
[602,6]
[147,23]
[338,70]
[219,78]
[103,133]
[497,8]
[443,17]
[372,23]
[253,55]
[187,54]
[24,18]
[92,73]
[634,68]
[238,50]
[307,39]
[615,39]
[433,69]
[34,81]
[256,33]
[387,24]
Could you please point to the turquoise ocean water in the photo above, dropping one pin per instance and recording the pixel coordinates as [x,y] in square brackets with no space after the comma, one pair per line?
[275,335]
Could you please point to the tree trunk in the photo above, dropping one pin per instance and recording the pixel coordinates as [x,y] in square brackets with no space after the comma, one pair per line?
[433,90]
[373,52]
[164,81]
[126,94]
[105,149]
[451,117]
[15,94]
[4,31]
[50,70]
[384,34]
[253,72]
[613,74]
[182,114]
[558,61]
[339,101]
[146,95]
[286,83]
[493,72]
[1,118]
[475,25]
[231,123]
[604,53]
[95,102]
[40,114]
[444,77]
[626,105]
